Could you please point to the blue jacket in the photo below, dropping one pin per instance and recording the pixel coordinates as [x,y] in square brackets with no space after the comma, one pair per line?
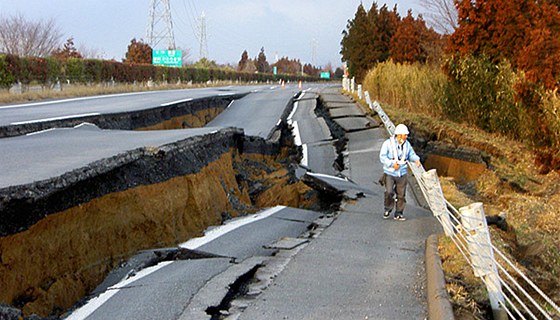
[388,159]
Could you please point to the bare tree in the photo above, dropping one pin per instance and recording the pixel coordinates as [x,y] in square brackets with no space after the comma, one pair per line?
[21,37]
[90,53]
[441,15]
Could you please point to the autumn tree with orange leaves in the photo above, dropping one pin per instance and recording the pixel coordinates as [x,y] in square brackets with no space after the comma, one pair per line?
[413,41]
[138,52]
[525,32]
[524,35]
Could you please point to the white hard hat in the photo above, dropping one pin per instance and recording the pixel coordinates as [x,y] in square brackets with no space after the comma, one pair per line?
[401,129]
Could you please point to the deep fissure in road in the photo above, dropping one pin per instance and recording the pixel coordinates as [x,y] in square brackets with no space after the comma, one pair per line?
[238,288]
[340,139]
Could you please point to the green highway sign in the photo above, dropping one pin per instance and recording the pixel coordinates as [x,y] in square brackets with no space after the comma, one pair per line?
[167,58]
[325,75]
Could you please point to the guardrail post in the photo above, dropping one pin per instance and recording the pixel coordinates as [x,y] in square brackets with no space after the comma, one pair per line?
[482,255]
[436,200]
[368,100]
[353,84]
[360,95]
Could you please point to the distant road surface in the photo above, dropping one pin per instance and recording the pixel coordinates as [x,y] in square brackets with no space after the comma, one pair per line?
[13,114]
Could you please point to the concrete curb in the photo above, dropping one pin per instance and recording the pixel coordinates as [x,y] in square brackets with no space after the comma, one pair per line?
[439,306]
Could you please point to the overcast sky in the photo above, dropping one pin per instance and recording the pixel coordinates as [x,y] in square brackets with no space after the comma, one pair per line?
[283,27]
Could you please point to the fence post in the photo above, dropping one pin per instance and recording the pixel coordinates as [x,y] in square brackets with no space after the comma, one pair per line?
[353,84]
[436,200]
[482,255]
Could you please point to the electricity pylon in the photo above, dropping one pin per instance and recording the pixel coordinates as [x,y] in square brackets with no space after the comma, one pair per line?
[160,25]
[203,40]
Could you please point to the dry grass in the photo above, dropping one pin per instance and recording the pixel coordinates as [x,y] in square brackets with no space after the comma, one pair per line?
[407,87]
[78,90]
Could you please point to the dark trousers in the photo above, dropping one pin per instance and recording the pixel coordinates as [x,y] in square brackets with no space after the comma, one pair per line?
[395,185]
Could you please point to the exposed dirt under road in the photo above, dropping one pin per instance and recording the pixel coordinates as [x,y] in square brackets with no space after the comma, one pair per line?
[57,261]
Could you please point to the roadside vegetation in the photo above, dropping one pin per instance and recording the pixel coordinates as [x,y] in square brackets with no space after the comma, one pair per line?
[490,84]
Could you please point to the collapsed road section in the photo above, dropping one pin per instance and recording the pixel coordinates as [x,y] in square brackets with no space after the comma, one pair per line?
[78,202]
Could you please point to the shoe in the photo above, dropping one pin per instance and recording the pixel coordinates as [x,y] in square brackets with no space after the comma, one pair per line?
[399,217]
[386,215]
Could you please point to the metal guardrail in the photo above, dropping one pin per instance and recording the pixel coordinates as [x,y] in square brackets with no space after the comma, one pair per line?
[508,288]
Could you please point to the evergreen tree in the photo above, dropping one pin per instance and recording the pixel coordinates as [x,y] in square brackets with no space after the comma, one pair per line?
[262,64]
[354,43]
[242,65]
[407,42]
[387,24]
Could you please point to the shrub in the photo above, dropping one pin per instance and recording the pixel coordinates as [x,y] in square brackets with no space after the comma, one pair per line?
[93,70]
[108,70]
[7,79]
[74,70]
[483,94]
[54,69]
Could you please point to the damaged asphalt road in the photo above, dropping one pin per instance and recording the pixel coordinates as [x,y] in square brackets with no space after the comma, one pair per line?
[360,267]
[163,294]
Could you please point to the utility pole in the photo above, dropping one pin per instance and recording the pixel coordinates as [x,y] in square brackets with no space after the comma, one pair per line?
[314,44]
[160,25]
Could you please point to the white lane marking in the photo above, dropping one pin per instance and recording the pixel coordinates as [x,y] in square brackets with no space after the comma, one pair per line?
[293,111]
[98,301]
[326,176]
[56,118]
[229,105]
[295,131]
[40,132]
[175,102]
[297,140]
[217,232]
[304,159]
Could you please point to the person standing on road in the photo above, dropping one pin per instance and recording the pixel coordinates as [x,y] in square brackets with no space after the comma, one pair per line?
[395,152]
